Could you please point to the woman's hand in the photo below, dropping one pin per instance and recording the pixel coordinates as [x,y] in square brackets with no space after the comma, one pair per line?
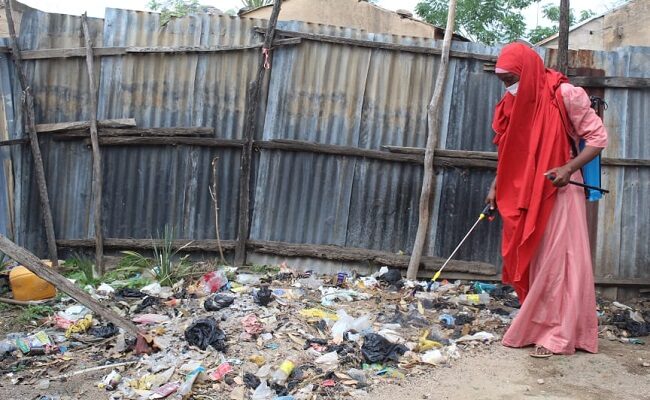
[559,176]
[491,198]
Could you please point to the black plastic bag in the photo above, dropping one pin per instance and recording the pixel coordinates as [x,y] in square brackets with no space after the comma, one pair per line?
[146,303]
[263,296]
[205,332]
[391,277]
[104,331]
[218,302]
[251,380]
[377,348]
[637,329]
[129,292]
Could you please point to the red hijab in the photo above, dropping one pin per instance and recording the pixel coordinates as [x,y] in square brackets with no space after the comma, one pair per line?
[531,139]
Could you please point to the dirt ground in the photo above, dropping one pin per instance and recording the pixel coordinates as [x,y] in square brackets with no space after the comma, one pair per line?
[493,372]
[498,372]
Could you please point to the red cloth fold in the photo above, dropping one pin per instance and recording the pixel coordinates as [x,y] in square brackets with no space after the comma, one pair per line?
[531,139]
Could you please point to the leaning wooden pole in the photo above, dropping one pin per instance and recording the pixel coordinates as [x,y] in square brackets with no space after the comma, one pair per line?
[30,125]
[433,127]
[94,141]
[32,263]
[563,37]
[254,93]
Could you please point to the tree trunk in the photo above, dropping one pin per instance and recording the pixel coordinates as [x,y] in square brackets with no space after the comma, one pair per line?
[97,158]
[563,38]
[434,112]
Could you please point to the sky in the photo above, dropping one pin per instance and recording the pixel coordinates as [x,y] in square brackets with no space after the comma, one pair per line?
[95,8]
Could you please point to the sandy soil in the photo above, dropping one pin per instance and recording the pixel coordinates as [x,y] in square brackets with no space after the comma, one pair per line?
[502,373]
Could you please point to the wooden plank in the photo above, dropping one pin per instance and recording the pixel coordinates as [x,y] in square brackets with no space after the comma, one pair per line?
[32,263]
[254,92]
[378,45]
[169,141]
[30,126]
[41,54]
[610,82]
[96,185]
[492,156]
[376,257]
[312,147]
[148,244]
[12,142]
[68,126]
[142,132]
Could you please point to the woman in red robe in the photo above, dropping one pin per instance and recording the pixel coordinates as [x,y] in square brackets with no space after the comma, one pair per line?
[545,244]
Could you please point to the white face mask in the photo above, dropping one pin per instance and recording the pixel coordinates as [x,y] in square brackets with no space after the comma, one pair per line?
[513,88]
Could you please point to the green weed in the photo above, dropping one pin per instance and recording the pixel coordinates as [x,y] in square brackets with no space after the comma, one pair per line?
[31,313]
[81,269]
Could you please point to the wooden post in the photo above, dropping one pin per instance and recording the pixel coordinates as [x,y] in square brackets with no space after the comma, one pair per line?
[32,263]
[215,201]
[433,126]
[30,125]
[254,94]
[563,38]
[94,141]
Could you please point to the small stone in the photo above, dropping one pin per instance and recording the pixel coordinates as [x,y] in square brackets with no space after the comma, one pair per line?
[43,384]
[540,381]
[646,364]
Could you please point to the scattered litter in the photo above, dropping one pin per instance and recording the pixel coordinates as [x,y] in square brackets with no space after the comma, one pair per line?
[205,332]
[376,348]
[263,296]
[252,325]
[218,302]
[150,319]
[338,335]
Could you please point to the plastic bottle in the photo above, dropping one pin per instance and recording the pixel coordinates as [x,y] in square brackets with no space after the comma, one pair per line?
[186,387]
[472,299]
[281,375]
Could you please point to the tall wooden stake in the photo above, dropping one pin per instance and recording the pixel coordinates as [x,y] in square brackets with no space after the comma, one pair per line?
[254,94]
[94,141]
[563,38]
[30,125]
[433,126]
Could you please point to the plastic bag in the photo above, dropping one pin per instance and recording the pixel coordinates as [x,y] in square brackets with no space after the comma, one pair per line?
[377,349]
[205,332]
[347,323]
[251,381]
[104,331]
[218,302]
[434,357]
[391,277]
[328,360]
[213,281]
[263,296]
[263,392]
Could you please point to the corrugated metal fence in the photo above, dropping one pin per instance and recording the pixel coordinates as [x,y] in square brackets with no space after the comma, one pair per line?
[318,91]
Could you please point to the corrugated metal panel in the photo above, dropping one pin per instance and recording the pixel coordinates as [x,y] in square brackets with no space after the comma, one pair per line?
[145,188]
[60,88]
[367,98]
[624,223]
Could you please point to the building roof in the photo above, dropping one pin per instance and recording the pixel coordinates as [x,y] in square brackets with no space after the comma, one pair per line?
[582,23]
[244,11]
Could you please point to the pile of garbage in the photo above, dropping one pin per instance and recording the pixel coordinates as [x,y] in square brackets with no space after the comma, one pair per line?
[285,335]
